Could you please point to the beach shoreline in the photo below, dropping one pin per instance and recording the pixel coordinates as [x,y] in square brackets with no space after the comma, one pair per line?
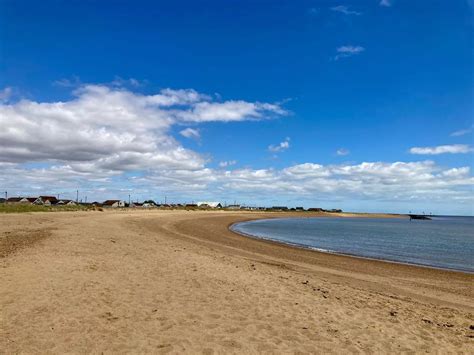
[182,281]
[232,228]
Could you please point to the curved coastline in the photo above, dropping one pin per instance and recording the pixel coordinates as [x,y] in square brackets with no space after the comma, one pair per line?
[333,252]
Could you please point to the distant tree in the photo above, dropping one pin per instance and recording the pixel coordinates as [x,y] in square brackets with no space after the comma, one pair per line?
[150,201]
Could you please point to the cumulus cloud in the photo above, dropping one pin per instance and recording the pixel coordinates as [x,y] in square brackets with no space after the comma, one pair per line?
[345,10]
[109,141]
[281,147]
[348,51]
[386,3]
[375,181]
[342,152]
[442,149]
[106,128]
[462,132]
[225,164]
[190,133]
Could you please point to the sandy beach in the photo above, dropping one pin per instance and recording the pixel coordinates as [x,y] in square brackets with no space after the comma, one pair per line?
[181,282]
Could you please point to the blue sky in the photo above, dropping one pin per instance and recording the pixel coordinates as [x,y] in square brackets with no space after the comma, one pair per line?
[327,100]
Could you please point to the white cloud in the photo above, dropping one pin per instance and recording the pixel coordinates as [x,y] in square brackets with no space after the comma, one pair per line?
[375,181]
[348,51]
[225,164]
[372,181]
[104,128]
[386,3]
[442,149]
[342,151]
[345,10]
[190,133]
[109,142]
[462,132]
[281,147]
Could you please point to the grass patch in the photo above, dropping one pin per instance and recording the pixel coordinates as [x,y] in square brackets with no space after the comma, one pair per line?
[19,208]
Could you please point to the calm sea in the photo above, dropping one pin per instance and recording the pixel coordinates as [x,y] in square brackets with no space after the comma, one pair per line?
[443,242]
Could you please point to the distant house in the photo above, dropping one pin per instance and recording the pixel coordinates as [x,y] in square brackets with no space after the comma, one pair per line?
[299,208]
[49,200]
[315,209]
[191,205]
[136,204]
[14,199]
[208,204]
[113,203]
[280,208]
[31,201]
[25,200]
[66,203]
[233,207]
[148,204]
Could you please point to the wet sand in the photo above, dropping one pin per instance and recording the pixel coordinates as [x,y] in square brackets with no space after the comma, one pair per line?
[180,281]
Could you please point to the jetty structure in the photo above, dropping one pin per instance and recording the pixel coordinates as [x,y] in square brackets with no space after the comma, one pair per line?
[419,216]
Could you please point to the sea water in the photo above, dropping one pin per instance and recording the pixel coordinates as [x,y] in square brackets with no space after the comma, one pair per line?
[443,242]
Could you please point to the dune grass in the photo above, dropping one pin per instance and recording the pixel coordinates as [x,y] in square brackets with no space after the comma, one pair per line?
[20,208]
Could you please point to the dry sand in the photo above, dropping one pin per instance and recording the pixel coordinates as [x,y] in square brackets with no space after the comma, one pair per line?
[152,282]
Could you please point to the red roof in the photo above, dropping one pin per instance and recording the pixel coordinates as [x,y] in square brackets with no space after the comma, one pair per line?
[15,199]
[48,198]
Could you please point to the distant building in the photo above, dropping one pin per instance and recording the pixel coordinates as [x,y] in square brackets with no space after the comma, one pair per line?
[49,200]
[148,204]
[32,200]
[233,207]
[25,200]
[66,203]
[14,199]
[208,204]
[315,209]
[299,208]
[280,208]
[113,203]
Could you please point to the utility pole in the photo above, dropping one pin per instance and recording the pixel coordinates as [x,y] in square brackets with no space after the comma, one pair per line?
[6,196]
[77,196]
[165,200]
[129,200]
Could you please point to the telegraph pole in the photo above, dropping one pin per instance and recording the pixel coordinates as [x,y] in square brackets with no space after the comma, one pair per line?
[77,196]
[129,200]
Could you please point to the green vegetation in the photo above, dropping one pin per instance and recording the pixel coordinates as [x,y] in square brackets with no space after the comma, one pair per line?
[20,208]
